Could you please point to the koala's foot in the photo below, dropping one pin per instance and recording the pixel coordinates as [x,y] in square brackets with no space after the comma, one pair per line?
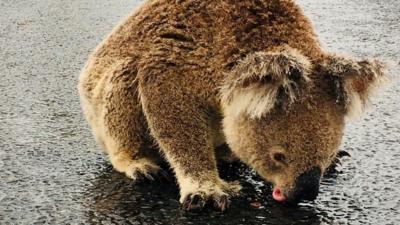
[135,169]
[197,201]
[216,196]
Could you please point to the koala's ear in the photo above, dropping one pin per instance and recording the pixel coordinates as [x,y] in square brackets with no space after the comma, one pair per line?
[262,79]
[355,81]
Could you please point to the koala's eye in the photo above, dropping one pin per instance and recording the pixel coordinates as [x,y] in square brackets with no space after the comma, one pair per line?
[279,157]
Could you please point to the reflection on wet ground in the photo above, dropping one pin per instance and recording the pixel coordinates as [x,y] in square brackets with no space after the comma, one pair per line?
[52,172]
[113,197]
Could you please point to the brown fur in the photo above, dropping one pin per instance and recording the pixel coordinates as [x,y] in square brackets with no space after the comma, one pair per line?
[160,75]
[254,84]
[356,80]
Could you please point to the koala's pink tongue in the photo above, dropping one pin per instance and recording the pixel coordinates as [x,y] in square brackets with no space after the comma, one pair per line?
[278,195]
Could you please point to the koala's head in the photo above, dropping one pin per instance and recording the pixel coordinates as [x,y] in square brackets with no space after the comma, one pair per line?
[284,115]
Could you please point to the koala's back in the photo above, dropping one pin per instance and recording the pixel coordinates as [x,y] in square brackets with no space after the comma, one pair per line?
[201,39]
[159,31]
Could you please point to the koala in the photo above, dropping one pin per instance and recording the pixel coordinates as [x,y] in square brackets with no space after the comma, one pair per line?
[178,78]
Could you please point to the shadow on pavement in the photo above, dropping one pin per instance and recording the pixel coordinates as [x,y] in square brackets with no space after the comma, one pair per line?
[113,198]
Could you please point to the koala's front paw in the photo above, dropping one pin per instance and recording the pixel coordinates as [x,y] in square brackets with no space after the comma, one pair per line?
[197,196]
[197,201]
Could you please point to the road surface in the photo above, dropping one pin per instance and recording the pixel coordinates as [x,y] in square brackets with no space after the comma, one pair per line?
[52,172]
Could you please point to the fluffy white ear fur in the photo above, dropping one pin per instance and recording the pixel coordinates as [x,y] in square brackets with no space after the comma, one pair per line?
[252,87]
[358,81]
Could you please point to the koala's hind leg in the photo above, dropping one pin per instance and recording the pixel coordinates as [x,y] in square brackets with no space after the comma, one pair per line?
[182,128]
[119,123]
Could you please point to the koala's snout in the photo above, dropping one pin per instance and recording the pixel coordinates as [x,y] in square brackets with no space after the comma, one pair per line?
[306,186]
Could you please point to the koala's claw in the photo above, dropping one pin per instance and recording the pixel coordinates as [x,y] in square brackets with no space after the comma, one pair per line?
[193,202]
[222,203]
[197,202]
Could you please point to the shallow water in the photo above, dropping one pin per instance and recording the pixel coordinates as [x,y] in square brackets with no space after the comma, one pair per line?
[51,171]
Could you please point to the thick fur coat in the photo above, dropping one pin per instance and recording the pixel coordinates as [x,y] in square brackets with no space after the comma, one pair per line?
[180,77]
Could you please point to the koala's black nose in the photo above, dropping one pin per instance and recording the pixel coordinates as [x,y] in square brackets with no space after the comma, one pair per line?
[307,185]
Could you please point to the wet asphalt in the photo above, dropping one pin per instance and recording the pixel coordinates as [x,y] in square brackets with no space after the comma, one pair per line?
[52,171]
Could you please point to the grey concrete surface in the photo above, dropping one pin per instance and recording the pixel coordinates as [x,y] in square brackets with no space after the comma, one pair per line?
[52,172]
